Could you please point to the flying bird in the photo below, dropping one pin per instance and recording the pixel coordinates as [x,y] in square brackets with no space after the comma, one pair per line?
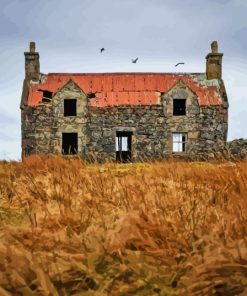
[134,61]
[179,64]
[102,49]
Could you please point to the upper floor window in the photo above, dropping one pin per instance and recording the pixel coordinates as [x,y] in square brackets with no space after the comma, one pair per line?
[70,107]
[179,142]
[179,107]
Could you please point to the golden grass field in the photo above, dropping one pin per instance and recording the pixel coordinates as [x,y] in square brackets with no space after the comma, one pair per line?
[160,228]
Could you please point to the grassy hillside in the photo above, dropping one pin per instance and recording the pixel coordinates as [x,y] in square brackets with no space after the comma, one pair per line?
[68,228]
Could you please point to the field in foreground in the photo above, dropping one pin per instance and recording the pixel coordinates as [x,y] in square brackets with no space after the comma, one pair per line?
[67,228]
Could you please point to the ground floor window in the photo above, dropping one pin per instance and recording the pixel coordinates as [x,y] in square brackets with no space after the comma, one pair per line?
[123,146]
[179,142]
[69,143]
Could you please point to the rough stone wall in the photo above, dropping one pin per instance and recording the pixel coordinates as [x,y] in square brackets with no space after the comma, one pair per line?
[152,131]
[42,126]
[37,129]
[237,148]
[152,126]
[147,124]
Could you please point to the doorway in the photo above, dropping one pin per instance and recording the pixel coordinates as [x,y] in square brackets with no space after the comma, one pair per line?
[69,143]
[123,146]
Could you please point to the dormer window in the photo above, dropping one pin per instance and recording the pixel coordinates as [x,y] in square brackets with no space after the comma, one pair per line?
[70,107]
[179,107]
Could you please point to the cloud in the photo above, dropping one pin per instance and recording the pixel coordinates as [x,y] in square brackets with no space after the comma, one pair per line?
[240,37]
[7,119]
[7,27]
[10,150]
[5,137]
[237,124]
[220,1]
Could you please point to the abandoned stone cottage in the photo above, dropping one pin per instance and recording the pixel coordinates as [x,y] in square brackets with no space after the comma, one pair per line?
[124,116]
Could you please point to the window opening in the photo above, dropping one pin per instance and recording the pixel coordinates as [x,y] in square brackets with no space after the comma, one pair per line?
[179,141]
[70,107]
[179,107]
[123,146]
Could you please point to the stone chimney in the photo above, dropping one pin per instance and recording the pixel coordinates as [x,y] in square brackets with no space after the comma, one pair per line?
[214,62]
[32,68]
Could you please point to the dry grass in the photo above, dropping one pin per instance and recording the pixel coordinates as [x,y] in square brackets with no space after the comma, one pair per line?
[69,228]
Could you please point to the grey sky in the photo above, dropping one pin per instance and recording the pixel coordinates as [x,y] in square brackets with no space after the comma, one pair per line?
[69,34]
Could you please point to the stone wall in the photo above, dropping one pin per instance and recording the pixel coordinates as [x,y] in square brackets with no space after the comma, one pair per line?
[238,147]
[42,126]
[152,126]
[147,124]
[152,131]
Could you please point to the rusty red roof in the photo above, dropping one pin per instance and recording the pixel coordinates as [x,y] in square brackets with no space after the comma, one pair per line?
[113,89]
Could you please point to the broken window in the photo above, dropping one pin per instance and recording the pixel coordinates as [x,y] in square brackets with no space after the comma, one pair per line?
[69,143]
[179,142]
[123,146]
[179,106]
[70,107]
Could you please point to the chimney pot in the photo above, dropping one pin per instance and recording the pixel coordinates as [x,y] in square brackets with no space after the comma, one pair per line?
[32,46]
[214,47]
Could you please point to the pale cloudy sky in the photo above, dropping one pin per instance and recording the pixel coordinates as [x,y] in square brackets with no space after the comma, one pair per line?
[69,34]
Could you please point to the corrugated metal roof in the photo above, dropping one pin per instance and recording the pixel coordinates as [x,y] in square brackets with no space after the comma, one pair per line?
[114,89]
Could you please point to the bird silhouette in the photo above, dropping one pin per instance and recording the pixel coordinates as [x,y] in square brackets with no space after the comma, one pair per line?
[102,49]
[179,64]
[134,61]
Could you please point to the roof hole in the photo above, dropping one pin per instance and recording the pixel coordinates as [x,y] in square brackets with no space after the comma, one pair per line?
[47,95]
[91,95]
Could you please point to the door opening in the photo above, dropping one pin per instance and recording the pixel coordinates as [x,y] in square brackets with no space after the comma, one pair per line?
[123,146]
[69,143]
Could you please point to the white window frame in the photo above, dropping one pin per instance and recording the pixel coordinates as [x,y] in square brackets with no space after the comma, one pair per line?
[121,143]
[179,142]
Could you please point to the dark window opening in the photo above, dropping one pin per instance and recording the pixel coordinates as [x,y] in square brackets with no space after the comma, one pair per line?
[70,107]
[179,107]
[69,143]
[47,94]
[123,146]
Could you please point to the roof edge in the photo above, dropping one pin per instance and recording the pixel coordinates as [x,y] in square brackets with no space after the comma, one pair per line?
[129,73]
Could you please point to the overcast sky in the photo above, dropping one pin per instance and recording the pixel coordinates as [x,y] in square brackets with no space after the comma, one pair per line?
[69,34]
